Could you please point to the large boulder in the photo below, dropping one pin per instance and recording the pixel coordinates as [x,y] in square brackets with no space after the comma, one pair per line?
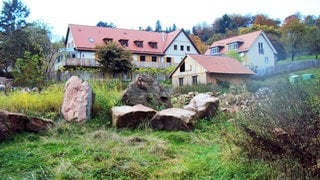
[77,101]
[131,116]
[204,104]
[174,119]
[15,122]
[145,90]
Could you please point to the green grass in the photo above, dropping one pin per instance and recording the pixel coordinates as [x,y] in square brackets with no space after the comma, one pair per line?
[299,58]
[95,150]
[72,151]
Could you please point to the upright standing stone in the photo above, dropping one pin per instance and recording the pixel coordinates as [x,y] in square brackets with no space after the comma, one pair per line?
[77,101]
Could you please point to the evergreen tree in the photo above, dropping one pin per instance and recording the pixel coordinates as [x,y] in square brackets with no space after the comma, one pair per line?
[13,16]
[158,26]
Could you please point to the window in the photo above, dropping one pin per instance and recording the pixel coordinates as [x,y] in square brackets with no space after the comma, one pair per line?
[260,48]
[182,67]
[123,42]
[194,79]
[180,81]
[154,58]
[91,40]
[142,58]
[181,47]
[153,45]
[233,46]
[175,47]
[266,60]
[168,59]
[138,43]
[188,48]
[214,51]
[107,40]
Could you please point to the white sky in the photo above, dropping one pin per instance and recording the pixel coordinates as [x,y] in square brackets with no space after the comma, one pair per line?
[131,14]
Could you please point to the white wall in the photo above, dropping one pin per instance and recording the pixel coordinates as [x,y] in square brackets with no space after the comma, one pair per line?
[178,55]
[192,68]
[254,58]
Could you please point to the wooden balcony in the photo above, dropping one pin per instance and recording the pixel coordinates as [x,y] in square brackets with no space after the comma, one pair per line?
[76,62]
[152,64]
[85,62]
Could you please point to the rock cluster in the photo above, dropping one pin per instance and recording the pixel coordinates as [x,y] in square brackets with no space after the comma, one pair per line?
[170,119]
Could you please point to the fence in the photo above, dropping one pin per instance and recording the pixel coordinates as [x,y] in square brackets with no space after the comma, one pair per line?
[287,68]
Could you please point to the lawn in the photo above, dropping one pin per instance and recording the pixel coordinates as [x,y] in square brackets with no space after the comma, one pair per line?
[95,150]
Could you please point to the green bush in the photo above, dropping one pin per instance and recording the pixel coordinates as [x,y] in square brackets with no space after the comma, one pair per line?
[107,94]
[284,128]
[194,88]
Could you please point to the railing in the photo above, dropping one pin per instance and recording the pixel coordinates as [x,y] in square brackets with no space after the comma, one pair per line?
[77,62]
[85,62]
[152,64]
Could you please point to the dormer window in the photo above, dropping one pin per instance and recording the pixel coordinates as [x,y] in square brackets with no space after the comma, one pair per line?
[233,46]
[153,45]
[214,51]
[138,43]
[123,42]
[107,40]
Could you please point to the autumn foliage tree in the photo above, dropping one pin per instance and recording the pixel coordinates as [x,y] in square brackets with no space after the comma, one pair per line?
[293,31]
[202,47]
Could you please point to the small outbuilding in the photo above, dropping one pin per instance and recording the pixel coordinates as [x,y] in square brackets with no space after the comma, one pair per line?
[204,69]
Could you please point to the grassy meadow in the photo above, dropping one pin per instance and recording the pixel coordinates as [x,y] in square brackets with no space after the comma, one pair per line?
[95,150]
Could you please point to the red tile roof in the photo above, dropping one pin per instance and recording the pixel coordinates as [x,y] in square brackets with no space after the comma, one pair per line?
[245,40]
[221,64]
[83,34]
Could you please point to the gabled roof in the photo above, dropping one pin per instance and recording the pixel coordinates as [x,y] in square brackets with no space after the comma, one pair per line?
[218,64]
[87,37]
[245,42]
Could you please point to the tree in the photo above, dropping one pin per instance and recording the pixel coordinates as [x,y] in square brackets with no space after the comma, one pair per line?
[113,58]
[13,38]
[105,24]
[12,47]
[13,16]
[149,28]
[292,35]
[261,19]
[29,71]
[221,25]
[202,47]
[234,54]
[158,27]
[312,39]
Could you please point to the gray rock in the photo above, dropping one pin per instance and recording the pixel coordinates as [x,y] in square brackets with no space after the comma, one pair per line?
[174,119]
[145,90]
[15,122]
[205,105]
[131,116]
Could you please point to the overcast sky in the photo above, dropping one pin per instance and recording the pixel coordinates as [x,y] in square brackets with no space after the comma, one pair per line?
[131,14]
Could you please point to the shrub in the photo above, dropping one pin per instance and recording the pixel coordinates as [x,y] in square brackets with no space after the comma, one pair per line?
[107,95]
[46,104]
[285,128]
[194,88]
